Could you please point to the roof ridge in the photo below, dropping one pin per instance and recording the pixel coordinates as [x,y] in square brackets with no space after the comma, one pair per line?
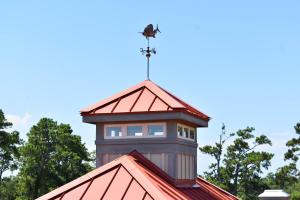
[159,91]
[145,162]
[145,183]
[183,102]
[151,166]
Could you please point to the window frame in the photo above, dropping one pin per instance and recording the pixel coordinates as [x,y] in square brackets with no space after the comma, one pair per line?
[144,130]
[122,132]
[135,132]
[164,131]
[178,133]
[192,129]
[189,132]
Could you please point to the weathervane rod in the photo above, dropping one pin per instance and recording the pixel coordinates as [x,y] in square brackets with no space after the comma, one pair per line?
[148,73]
[149,32]
[148,62]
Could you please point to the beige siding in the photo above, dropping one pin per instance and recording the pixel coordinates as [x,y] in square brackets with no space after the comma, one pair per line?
[165,161]
[191,167]
[185,166]
[179,166]
[105,158]
[159,159]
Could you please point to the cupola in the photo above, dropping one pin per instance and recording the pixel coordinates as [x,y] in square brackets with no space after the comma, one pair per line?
[149,119]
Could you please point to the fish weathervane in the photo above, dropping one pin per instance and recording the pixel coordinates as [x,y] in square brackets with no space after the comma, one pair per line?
[149,32]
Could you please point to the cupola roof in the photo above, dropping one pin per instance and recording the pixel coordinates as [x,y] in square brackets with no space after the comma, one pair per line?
[145,97]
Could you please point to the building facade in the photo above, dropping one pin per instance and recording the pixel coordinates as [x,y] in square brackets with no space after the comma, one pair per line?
[146,146]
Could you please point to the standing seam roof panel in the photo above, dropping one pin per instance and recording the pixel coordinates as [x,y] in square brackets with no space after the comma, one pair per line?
[126,103]
[135,191]
[147,197]
[144,101]
[99,185]
[159,105]
[119,185]
[77,192]
[163,95]
[116,96]
[107,108]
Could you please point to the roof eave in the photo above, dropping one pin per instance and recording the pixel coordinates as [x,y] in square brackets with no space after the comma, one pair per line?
[145,116]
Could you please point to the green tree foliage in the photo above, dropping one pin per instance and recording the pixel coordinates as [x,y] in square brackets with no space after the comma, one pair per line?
[93,156]
[214,175]
[241,165]
[51,157]
[288,176]
[294,190]
[9,142]
[284,179]
[293,152]
[8,188]
[270,181]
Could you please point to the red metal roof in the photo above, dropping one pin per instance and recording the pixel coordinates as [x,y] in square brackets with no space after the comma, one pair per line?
[143,97]
[133,177]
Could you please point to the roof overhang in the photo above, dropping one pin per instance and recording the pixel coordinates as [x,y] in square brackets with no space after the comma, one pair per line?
[142,117]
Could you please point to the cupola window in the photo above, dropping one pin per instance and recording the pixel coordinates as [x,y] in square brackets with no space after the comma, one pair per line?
[114,131]
[155,130]
[147,130]
[134,130]
[192,134]
[180,131]
[186,132]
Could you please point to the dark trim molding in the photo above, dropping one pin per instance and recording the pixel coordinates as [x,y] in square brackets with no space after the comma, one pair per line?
[142,117]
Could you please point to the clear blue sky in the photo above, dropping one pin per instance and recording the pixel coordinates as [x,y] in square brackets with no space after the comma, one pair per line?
[236,61]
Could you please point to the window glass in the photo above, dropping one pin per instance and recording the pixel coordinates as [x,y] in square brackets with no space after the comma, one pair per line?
[113,131]
[155,130]
[186,132]
[180,131]
[192,134]
[134,131]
